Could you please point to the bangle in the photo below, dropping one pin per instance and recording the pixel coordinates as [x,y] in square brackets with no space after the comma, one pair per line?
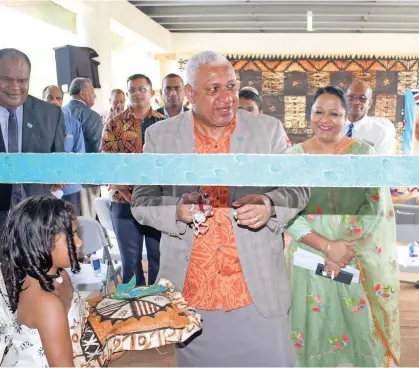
[327,249]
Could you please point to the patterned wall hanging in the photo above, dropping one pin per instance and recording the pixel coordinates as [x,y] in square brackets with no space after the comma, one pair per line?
[287,85]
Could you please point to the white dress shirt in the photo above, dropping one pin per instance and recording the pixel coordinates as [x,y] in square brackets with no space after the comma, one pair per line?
[376,130]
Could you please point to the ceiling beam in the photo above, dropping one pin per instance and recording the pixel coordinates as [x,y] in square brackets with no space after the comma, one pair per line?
[289,22]
[285,15]
[197,11]
[264,2]
[317,29]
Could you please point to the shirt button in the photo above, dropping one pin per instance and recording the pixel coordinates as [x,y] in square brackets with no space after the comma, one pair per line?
[219,249]
[219,224]
[216,146]
[217,198]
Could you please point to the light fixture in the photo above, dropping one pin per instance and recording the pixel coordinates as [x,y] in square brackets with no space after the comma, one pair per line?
[310,21]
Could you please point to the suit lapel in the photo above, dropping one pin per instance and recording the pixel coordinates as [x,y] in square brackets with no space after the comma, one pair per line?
[29,127]
[185,143]
[185,140]
[2,146]
[238,144]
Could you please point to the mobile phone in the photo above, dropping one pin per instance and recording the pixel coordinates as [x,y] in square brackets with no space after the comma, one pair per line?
[343,277]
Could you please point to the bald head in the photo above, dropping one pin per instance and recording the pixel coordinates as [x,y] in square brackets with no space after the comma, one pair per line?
[360,100]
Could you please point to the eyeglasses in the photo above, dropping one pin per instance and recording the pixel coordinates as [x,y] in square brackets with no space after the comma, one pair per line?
[139,89]
[362,98]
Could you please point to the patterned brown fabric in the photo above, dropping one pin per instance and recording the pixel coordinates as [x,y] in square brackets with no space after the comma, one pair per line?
[287,85]
[136,324]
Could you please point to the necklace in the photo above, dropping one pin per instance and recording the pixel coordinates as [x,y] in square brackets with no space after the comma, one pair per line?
[57,277]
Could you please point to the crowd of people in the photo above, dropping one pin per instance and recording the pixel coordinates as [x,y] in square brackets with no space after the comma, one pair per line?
[260,305]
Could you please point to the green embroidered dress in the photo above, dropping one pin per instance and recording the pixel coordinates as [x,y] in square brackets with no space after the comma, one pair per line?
[334,324]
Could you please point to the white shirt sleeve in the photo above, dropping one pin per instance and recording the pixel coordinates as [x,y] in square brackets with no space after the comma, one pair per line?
[387,141]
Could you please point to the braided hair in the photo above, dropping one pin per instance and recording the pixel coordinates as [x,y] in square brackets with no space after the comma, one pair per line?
[27,241]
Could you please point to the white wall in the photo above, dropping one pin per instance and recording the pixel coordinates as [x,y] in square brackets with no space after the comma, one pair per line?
[38,44]
[297,44]
[127,57]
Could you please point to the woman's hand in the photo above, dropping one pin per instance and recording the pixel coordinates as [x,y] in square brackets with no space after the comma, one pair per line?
[340,252]
[331,268]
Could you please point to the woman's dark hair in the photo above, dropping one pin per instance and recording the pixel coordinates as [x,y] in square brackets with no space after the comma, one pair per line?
[336,91]
[28,238]
[249,95]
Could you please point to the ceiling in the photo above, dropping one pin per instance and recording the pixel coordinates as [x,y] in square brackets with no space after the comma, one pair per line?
[264,16]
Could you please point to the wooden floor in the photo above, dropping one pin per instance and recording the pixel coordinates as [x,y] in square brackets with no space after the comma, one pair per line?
[409,323]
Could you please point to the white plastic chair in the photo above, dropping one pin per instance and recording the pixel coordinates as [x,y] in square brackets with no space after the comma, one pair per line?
[407,230]
[93,237]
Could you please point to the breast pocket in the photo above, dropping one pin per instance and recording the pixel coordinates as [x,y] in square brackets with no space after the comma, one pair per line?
[68,143]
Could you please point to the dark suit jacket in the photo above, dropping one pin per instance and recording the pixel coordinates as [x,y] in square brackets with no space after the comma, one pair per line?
[161,110]
[91,124]
[43,131]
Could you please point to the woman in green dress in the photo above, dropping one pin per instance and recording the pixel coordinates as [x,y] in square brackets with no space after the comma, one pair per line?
[335,324]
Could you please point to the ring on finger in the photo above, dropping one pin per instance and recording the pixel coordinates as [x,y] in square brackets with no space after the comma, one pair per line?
[256,219]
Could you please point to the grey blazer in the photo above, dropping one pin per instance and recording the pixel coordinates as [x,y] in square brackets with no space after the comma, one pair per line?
[43,131]
[90,121]
[261,252]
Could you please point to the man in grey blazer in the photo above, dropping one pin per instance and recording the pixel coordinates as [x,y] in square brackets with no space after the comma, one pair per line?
[27,124]
[79,107]
[234,274]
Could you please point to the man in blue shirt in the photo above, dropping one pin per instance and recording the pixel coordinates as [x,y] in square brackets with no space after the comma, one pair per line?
[73,142]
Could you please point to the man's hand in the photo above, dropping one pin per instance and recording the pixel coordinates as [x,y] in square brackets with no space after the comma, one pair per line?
[123,190]
[184,207]
[56,187]
[254,210]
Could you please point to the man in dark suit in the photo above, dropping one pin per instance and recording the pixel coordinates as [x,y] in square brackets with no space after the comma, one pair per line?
[173,93]
[82,99]
[27,124]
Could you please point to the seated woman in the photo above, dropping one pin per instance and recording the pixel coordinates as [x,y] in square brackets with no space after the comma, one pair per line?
[39,240]
[335,324]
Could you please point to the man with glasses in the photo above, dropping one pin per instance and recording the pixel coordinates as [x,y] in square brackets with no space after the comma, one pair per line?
[124,133]
[379,132]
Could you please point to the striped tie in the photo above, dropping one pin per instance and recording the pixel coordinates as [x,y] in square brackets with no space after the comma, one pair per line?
[12,139]
[349,132]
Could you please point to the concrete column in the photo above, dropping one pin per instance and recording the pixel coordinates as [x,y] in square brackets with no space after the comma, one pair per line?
[93,30]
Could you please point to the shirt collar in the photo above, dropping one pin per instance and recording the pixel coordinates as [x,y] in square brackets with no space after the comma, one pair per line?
[18,109]
[229,130]
[359,122]
[167,114]
[76,99]
[150,113]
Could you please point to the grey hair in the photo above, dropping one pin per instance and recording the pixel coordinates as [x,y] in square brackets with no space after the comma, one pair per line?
[77,85]
[203,58]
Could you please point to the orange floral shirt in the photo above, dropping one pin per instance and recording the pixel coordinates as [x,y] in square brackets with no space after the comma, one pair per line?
[124,133]
[215,278]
